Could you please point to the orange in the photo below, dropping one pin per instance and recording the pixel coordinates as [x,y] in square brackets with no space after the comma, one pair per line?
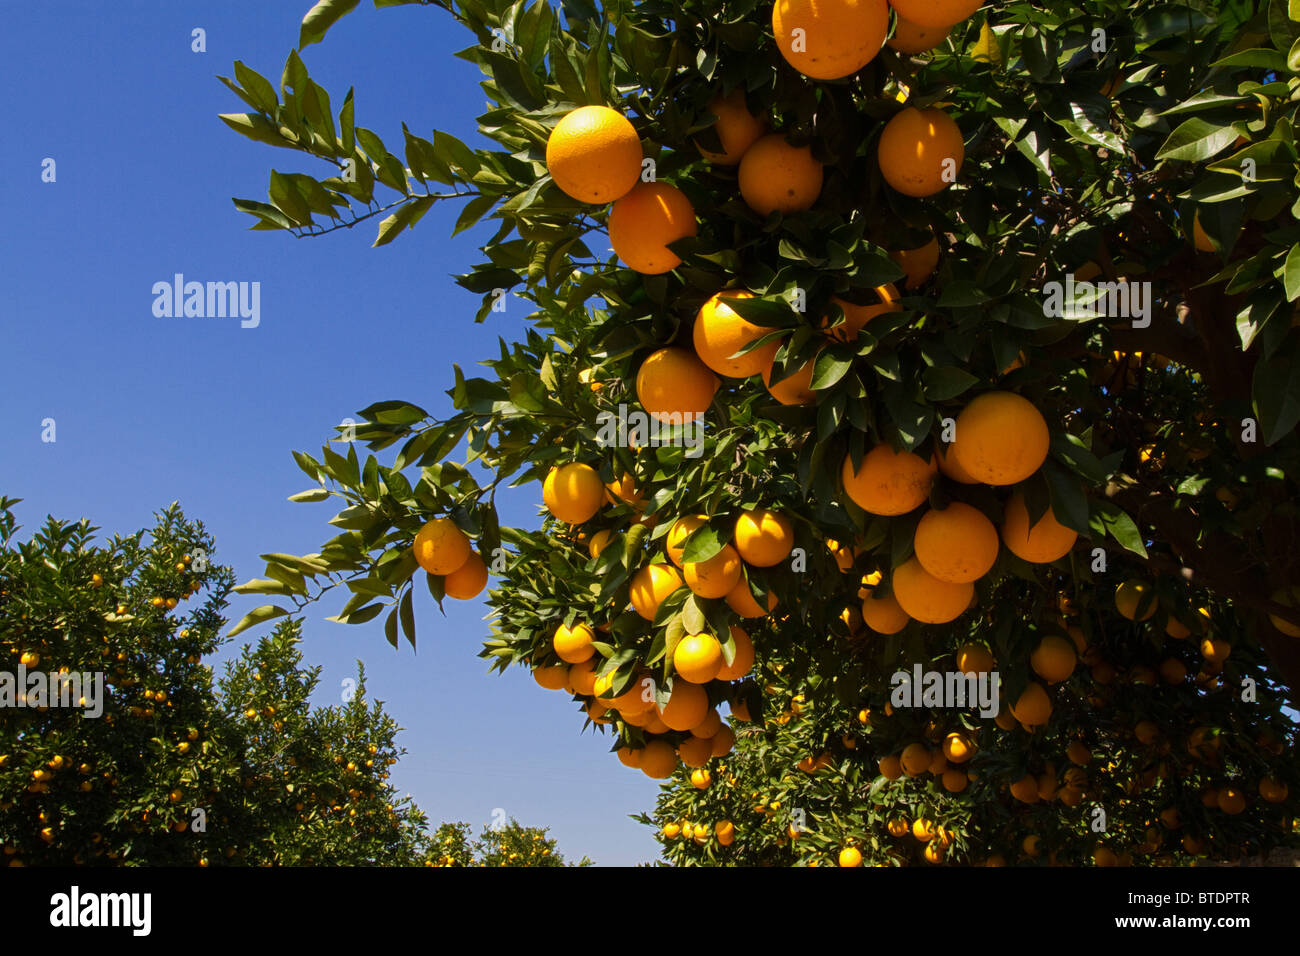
[651,585]
[1173,671]
[1287,598]
[974,659]
[882,613]
[926,598]
[836,38]
[1002,438]
[736,127]
[574,644]
[741,600]
[794,388]
[716,576]
[697,658]
[1232,801]
[898,827]
[911,37]
[764,538]
[933,853]
[891,767]
[954,780]
[687,707]
[594,154]
[658,759]
[949,465]
[1105,856]
[743,662]
[1146,732]
[711,725]
[916,759]
[720,332]
[1047,541]
[850,856]
[857,316]
[468,580]
[573,492]
[923,830]
[917,264]
[1078,753]
[629,757]
[599,542]
[638,699]
[958,544]
[725,831]
[920,151]
[700,780]
[958,747]
[682,529]
[888,482]
[624,489]
[723,741]
[582,676]
[1135,597]
[1025,789]
[1033,708]
[1214,650]
[777,177]
[695,751]
[440,547]
[935,13]
[643,222]
[1053,659]
[552,678]
[1273,790]
[673,385]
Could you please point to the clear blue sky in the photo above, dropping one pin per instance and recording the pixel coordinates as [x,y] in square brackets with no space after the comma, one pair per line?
[150,410]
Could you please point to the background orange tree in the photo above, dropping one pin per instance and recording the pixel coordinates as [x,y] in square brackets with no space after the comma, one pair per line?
[1149,145]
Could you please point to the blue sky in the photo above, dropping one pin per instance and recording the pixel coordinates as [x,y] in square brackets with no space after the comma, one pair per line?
[150,410]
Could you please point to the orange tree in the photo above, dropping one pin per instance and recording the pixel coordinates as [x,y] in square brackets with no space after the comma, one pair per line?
[511,844]
[169,766]
[930,326]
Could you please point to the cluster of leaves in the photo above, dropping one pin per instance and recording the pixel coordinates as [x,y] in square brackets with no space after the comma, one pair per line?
[510,844]
[1098,132]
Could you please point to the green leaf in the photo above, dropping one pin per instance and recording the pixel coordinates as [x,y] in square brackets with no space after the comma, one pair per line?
[311,494]
[259,89]
[407,611]
[258,615]
[405,217]
[1196,140]
[473,212]
[262,586]
[320,18]
[702,544]
[1275,396]
[1117,523]
[942,384]
[257,127]
[1291,273]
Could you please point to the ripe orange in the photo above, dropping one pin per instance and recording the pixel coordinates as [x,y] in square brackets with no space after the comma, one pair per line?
[923,830]
[836,38]
[441,547]
[467,581]
[882,613]
[573,492]
[891,767]
[1232,801]
[711,725]
[920,151]
[743,662]
[695,752]
[720,332]
[1273,790]
[629,757]
[1173,671]
[1047,541]
[1053,659]
[700,780]
[594,154]
[888,482]
[850,856]
[741,600]
[911,37]
[687,707]
[1002,438]
[898,827]
[1134,598]
[857,316]
[624,489]
[599,542]
[574,644]
[794,389]
[723,741]
[682,529]
[1146,732]
[736,127]
[777,177]
[916,759]
[935,13]
[958,544]
[643,222]
[1215,650]
[552,678]
[673,385]
[764,538]
[697,658]
[954,780]
[582,676]
[651,585]
[958,747]
[974,659]
[725,831]
[1025,789]
[716,576]
[1033,708]
[926,598]
[918,264]
[658,759]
